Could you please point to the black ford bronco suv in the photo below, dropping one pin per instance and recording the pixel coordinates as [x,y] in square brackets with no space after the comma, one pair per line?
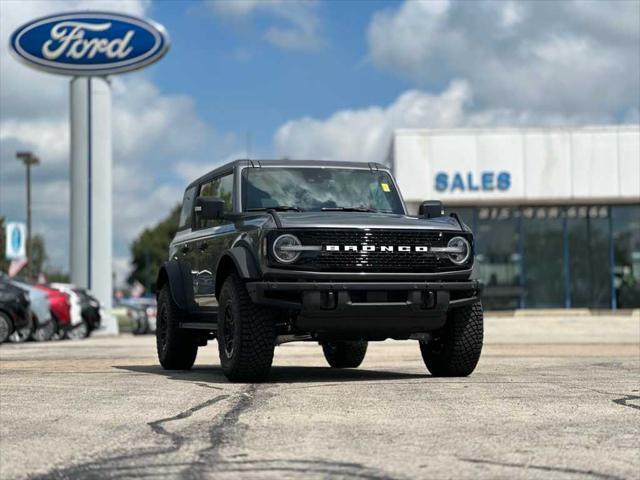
[270,252]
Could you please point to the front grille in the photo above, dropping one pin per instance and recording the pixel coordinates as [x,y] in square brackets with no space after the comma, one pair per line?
[376,261]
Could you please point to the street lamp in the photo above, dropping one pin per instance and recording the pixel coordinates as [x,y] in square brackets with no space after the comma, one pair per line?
[28,159]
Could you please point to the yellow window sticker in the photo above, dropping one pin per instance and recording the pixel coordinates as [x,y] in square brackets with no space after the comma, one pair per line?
[385,187]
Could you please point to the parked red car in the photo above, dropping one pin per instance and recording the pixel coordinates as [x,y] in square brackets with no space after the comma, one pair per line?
[59,305]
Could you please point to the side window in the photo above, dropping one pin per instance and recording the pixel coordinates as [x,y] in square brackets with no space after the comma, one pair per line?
[187,208]
[222,188]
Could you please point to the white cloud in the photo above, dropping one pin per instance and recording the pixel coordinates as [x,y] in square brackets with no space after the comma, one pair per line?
[189,170]
[575,57]
[365,134]
[144,119]
[299,27]
[50,136]
[121,266]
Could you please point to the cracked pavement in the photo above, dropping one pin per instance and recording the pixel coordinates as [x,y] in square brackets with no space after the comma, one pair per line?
[103,408]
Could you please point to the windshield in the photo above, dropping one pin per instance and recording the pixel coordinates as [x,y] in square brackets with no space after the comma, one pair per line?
[319,189]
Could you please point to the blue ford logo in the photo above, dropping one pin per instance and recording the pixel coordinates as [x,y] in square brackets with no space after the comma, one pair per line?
[89,43]
[16,239]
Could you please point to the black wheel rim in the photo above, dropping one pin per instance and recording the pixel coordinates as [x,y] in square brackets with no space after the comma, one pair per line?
[4,328]
[229,331]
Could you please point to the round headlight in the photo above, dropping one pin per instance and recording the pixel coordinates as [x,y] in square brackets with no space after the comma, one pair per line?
[462,250]
[285,248]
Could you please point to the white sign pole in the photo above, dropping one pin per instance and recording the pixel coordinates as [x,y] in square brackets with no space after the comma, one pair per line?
[91,220]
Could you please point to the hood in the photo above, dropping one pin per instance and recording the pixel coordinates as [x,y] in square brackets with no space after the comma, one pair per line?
[365,220]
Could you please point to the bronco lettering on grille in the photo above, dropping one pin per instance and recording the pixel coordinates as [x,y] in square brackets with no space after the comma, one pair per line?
[374,248]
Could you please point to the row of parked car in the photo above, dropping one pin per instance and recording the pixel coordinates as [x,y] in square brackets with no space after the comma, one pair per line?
[141,313]
[43,312]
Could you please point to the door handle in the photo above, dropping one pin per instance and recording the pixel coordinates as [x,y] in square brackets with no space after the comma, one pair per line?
[204,246]
[185,249]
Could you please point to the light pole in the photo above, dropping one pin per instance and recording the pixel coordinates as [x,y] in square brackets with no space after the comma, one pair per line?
[28,159]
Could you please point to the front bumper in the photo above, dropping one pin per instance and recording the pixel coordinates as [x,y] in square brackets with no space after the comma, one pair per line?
[400,307]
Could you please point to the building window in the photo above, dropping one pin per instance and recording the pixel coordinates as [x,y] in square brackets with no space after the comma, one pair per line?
[625,223]
[556,256]
[588,237]
[497,256]
[543,247]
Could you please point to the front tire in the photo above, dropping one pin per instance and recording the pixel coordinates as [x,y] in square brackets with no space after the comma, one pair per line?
[456,349]
[345,354]
[23,334]
[5,327]
[246,334]
[177,349]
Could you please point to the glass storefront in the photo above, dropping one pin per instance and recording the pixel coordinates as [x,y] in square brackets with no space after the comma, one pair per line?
[557,256]
[542,236]
[625,229]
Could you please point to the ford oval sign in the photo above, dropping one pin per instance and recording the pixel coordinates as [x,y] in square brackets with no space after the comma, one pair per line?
[89,43]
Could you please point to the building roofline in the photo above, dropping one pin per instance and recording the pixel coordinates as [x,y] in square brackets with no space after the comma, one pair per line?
[634,127]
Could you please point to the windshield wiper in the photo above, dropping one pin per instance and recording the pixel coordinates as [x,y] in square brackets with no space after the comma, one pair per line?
[349,209]
[279,208]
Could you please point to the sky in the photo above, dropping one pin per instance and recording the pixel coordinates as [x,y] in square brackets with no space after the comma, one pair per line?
[308,79]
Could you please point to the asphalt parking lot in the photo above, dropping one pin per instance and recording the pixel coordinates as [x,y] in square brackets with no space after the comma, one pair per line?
[566,406]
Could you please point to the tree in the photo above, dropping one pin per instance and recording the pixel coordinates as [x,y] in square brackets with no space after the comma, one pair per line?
[38,254]
[150,249]
[55,275]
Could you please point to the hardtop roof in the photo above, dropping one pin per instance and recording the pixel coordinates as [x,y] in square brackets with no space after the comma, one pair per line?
[285,163]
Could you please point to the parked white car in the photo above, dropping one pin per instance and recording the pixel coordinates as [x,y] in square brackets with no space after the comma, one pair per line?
[79,328]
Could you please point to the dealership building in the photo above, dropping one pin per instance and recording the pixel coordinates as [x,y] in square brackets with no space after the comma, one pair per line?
[555,211]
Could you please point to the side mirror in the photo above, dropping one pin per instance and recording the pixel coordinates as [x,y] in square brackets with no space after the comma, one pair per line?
[431,209]
[209,208]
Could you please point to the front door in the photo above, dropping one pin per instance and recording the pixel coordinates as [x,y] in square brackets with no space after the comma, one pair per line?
[216,237]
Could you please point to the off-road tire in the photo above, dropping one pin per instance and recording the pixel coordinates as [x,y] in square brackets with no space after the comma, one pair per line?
[6,327]
[345,354]
[456,348]
[177,348]
[246,334]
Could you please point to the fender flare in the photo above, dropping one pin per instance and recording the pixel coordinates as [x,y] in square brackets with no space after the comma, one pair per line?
[244,262]
[180,285]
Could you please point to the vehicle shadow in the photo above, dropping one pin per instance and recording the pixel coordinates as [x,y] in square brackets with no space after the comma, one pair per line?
[212,375]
